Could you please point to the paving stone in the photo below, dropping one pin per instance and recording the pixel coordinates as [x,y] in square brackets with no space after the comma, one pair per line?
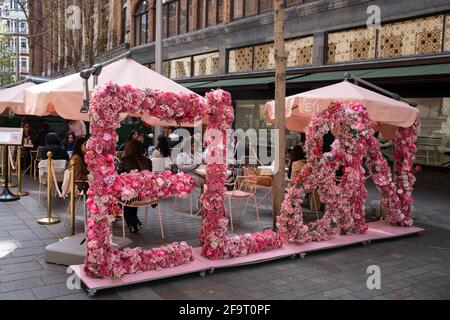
[20,284]
[52,291]
[18,295]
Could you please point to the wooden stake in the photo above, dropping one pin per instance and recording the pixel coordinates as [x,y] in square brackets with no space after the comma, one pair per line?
[280,95]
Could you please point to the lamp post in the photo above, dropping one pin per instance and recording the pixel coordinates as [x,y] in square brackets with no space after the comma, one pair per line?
[158,48]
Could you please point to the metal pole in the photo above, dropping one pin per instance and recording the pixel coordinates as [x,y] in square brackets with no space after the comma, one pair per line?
[158,50]
[19,173]
[10,184]
[72,196]
[49,219]
[3,164]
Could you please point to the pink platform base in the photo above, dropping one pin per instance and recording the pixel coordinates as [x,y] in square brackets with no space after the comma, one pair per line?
[377,231]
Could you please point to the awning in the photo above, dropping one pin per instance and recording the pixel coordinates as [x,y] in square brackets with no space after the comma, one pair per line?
[235,82]
[411,71]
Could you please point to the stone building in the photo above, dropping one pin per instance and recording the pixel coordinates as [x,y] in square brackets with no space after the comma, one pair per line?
[402,45]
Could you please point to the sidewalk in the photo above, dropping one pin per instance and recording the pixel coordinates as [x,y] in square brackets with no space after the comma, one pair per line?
[414,267]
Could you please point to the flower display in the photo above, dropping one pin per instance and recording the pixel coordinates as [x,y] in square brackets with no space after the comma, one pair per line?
[107,187]
[354,146]
[216,244]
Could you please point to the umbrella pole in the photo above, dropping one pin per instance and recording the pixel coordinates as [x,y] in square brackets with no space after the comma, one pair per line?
[278,185]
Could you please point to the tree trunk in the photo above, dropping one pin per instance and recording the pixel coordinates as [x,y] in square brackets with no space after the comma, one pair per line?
[280,94]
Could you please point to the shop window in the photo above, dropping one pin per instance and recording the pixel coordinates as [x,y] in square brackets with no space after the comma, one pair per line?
[206,64]
[180,68]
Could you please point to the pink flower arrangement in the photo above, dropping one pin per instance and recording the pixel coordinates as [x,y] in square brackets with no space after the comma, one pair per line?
[107,187]
[216,244]
[344,199]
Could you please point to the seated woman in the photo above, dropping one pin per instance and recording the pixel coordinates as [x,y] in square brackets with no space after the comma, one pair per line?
[298,159]
[69,141]
[80,168]
[53,144]
[162,151]
[133,159]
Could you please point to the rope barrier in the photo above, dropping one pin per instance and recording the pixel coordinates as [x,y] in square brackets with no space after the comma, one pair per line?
[55,181]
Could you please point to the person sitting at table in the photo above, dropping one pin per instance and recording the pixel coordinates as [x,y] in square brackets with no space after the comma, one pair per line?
[53,144]
[40,138]
[297,160]
[69,141]
[133,159]
[162,150]
[189,160]
[27,142]
[80,168]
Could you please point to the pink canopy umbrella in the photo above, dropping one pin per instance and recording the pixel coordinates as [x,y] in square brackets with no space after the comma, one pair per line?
[386,114]
[64,96]
[12,98]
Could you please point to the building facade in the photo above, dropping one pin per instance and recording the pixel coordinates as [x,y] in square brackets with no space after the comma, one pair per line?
[14,27]
[402,46]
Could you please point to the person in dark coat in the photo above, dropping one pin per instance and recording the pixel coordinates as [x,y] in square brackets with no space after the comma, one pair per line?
[133,159]
[53,144]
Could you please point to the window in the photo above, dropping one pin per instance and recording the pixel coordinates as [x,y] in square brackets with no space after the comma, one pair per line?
[211,12]
[23,27]
[180,68]
[206,64]
[248,8]
[23,45]
[164,21]
[201,14]
[191,15]
[141,24]
[265,6]
[251,7]
[182,22]
[238,9]
[24,64]
[123,22]
[173,18]
[220,11]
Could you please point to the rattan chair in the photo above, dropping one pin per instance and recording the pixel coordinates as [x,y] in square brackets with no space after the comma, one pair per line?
[139,203]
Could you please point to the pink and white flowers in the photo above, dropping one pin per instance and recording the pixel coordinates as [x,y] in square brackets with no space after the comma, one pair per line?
[344,198]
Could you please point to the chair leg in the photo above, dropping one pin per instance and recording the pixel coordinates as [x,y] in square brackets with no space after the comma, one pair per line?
[231,214]
[160,222]
[257,211]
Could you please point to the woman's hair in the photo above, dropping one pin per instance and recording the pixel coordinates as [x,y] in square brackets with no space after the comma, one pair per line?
[133,132]
[133,149]
[77,147]
[52,139]
[68,134]
[26,123]
[297,153]
[163,146]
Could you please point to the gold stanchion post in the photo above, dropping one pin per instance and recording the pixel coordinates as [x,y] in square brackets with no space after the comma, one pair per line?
[49,219]
[11,184]
[3,164]
[72,196]
[19,173]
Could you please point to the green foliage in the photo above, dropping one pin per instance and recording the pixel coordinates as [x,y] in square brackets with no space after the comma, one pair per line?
[6,59]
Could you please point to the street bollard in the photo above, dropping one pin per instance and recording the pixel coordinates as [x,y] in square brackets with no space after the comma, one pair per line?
[10,184]
[49,219]
[72,196]
[19,173]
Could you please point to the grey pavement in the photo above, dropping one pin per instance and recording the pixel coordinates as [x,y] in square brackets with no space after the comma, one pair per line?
[415,267]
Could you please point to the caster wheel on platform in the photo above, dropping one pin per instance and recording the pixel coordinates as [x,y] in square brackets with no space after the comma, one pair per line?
[202,274]
[293,257]
[91,292]
[302,255]
[366,243]
[211,271]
